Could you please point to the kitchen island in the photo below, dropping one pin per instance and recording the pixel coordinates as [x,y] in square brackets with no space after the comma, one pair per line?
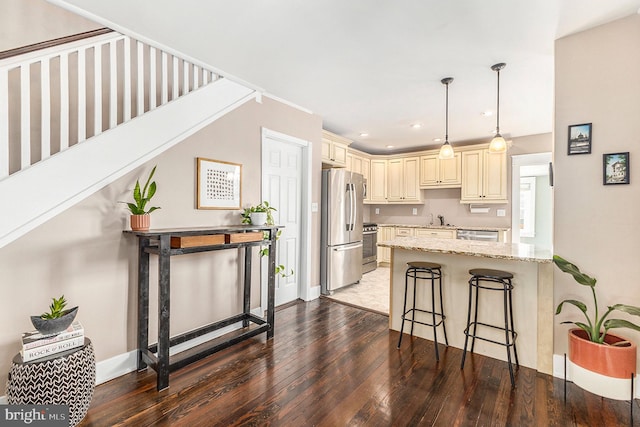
[532,295]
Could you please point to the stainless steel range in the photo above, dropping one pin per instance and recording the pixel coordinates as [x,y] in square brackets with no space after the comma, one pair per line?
[369,247]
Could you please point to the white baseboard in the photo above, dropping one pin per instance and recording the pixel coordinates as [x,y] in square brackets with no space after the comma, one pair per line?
[313,293]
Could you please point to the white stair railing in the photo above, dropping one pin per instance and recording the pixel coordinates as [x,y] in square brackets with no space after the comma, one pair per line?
[55,98]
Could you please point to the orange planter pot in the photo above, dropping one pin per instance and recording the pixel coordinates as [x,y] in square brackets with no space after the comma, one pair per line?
[612,361]
[140,222]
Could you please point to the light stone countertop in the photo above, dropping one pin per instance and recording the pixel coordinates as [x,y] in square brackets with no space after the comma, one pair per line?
[446,227]
[508,251]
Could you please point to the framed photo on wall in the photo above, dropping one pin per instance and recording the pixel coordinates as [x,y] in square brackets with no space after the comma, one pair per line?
[615,168]
[579,139]
[219,184]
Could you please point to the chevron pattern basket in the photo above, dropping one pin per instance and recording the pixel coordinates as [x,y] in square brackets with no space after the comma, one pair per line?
[68,379]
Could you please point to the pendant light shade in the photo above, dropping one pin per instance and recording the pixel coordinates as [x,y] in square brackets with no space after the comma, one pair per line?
[498,144]
[446,151]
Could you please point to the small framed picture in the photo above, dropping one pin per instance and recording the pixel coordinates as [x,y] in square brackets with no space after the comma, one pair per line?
[219,184]
[579,139]
[615,168]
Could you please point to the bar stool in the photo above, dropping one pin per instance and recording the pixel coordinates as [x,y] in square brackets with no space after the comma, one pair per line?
[493,280]
[424,271]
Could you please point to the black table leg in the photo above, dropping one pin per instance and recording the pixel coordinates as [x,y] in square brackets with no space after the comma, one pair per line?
[143,300]
[271,285]
[247,284]
[164,270]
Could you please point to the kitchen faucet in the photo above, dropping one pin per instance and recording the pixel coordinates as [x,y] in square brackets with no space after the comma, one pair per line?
[431,222]
[441,218]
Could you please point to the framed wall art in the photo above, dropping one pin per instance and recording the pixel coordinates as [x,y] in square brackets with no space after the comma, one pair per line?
[615,168]
[219,184]
[579,139]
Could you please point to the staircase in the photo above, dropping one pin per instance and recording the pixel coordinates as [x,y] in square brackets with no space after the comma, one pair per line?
[78,116]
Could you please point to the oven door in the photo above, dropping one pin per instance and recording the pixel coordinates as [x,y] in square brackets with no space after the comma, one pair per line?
[369,251]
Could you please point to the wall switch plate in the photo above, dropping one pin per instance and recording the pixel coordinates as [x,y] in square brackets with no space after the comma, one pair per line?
[415,211]
[501,212]
[377,211]
[314,207]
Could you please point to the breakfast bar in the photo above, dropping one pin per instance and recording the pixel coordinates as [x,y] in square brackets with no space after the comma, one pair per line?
[532,294]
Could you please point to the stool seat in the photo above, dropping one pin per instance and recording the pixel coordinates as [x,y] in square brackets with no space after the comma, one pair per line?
[424,265]
[491,274]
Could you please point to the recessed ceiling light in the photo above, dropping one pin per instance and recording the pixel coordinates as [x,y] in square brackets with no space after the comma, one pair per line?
[389,146]
[416,125]
[437,139]
[487,113]
[364,134]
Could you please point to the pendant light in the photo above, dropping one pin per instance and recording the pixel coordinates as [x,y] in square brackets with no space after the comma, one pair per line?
[446,151]
[498,144]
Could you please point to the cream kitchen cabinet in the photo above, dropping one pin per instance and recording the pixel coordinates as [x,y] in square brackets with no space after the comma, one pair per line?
[402,180]
[440,173]
[384,234]
[334,149]
[377,184]
[435,232]
[403,231]
[484,177]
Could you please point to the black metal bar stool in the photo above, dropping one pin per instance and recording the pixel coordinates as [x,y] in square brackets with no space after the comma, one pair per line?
[424,271]
[493,280]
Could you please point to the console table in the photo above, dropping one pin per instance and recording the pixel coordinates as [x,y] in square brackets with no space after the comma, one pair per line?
[166,243]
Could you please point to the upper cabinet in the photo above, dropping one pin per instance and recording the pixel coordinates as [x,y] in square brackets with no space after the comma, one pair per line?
[437,173]
[484,177]
[377,184]
[334,149]
[402,180]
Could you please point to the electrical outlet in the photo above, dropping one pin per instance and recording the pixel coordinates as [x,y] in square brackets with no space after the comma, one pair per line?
[314,207]
[501,212]
[377,211]
[415,211]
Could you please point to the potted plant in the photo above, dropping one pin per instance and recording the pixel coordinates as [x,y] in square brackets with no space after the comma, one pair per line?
[57,319]
[140,219]
[260,214]
[605,361]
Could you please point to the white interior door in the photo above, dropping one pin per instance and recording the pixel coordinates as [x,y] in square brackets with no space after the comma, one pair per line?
[282,188]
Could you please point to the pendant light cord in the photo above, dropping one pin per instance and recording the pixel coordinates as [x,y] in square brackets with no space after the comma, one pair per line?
[446,120]
[498,109]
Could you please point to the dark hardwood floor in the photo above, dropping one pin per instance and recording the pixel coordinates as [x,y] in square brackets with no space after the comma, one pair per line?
[334,365]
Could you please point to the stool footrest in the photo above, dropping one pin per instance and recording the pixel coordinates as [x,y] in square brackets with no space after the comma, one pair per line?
[513,333]
[404,317]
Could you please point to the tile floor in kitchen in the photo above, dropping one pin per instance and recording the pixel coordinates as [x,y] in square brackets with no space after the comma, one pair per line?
[371,293]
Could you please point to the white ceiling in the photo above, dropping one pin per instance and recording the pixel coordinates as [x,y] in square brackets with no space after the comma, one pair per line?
[375,66]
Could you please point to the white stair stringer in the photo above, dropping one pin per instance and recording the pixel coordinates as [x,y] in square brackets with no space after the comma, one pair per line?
[36,194]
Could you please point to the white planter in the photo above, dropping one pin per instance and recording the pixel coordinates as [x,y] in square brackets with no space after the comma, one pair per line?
[258,218]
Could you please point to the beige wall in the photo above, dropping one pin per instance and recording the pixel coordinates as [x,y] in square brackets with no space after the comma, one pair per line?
[27,22]
[596,226]
[83,254]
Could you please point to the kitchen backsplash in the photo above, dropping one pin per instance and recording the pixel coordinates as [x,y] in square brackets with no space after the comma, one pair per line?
[445,202]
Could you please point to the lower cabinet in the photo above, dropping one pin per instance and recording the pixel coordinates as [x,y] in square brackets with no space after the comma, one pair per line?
[385,233]
[435,232]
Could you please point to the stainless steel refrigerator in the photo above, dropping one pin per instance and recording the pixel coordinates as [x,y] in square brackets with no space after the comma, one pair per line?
[341,230]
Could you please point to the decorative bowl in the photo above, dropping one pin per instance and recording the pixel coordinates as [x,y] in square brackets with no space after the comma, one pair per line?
[54,326]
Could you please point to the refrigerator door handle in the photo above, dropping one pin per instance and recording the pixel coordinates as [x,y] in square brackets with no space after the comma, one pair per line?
[348,247]
[355,205]
[349,205]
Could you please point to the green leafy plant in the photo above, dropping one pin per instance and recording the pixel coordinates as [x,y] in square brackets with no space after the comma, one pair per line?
[141,198]
[596,327]
[264,206]
[56,309]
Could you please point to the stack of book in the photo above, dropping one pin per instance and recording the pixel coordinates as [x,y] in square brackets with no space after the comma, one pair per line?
[35,345]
